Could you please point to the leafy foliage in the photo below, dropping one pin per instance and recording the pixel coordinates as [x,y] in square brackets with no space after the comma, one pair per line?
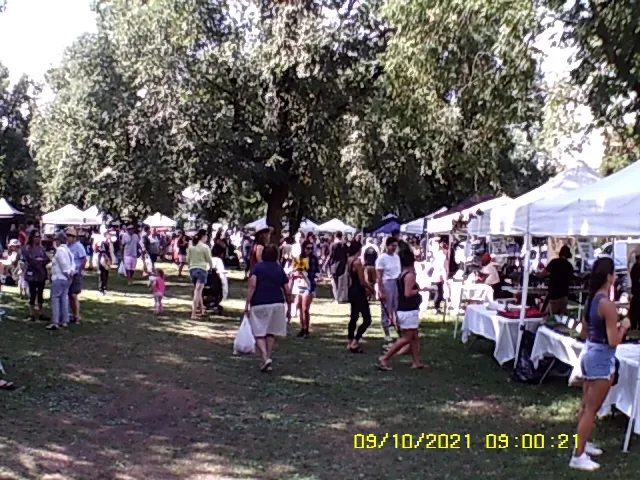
[607,62]
[314,108]
[18,173]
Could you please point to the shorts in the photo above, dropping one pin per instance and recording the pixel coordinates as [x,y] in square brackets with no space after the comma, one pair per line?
[268,320]
[182,258]
[306,291]
[130,263]
[557,306]
[75,287]
[408,319]
[598,362]
[198,275]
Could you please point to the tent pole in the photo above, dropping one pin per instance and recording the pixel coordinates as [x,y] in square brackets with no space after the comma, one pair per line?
[525,286]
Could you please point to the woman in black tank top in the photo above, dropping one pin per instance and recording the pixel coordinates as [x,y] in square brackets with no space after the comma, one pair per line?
[408,314]
[359,290]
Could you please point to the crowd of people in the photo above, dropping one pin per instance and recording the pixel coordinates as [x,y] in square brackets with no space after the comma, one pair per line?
[283,276]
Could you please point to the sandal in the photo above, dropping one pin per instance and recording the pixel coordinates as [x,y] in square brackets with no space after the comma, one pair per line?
[419,366]
[4,385]
[383,366]
[52,326]
[266,365]
[356,350]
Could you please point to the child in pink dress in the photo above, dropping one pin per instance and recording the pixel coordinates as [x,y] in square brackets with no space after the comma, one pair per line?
[157,287]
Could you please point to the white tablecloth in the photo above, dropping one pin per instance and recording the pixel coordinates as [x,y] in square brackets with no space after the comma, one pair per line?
[486,323]
[549,343]
[568,350]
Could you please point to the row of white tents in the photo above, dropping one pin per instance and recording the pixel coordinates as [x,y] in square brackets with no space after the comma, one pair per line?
[504,216]
[307,225]
[72,215]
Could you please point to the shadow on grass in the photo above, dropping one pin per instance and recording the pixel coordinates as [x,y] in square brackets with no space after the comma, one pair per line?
[129,395]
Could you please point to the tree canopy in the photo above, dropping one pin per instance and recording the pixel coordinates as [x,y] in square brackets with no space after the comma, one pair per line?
[311,108]
[606,68]
[19,180]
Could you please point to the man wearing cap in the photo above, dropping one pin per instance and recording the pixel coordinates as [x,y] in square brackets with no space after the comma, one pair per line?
[79,254]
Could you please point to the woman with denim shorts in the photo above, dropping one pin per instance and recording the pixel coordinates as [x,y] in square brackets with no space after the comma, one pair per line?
[598,360]
[199,261]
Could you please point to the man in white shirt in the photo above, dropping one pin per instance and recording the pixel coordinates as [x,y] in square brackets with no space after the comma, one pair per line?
[62,270]
[440,273]
[388,270]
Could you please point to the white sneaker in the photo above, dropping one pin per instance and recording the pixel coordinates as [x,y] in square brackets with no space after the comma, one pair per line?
[583,462]
[592,450]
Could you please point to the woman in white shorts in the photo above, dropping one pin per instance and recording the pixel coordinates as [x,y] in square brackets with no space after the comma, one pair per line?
[408,314]
[268,304]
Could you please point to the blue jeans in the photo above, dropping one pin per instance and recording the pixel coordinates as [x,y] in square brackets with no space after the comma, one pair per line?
[60,301]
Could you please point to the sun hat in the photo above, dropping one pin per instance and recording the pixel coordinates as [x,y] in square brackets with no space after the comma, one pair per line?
[71,232]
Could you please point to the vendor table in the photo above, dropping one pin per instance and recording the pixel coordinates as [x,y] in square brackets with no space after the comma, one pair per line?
[568,350]
[479,320]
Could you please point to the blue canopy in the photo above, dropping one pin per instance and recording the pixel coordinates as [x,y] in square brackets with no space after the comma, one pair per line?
[387,227]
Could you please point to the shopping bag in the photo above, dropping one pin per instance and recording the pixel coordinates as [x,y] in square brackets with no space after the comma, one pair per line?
[122,270]
[148,266]
[244,342]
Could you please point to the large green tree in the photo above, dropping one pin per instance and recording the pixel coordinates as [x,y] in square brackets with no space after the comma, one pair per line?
[317,108]
[19,181]
[606,66]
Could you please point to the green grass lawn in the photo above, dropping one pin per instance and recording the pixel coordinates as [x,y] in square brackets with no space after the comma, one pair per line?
[126,395]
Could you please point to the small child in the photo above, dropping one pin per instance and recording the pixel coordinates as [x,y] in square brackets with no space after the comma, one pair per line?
[157,284]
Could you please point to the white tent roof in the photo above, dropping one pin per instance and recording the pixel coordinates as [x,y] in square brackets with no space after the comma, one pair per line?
[7,210]
[159,221]
[336,225]
[69,215]
[511,219]
[261,223]
[416,227]
[93,212]
[257,225]
[445,223]
[610,207]
[308,226]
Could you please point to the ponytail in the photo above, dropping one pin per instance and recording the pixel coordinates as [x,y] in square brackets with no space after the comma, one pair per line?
[602,268]
[199,236]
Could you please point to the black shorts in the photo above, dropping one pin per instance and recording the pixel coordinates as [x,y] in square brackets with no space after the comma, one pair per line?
[76,285]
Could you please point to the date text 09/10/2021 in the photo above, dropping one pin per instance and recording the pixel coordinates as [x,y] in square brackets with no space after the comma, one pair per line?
[491,441]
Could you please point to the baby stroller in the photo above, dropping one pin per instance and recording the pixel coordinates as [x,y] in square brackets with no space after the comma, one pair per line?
[214,291]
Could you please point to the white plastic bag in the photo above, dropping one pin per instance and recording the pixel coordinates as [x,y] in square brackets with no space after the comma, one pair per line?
[244,342]
[122,270]
[148,266]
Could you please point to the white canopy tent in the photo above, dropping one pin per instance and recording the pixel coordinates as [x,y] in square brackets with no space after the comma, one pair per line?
[93,212]
[416,227]
[7,210]
[159,221]
[308,226]
[257,225]
[445,223]
[261,223]
[69,215]
[511,219]
[335,225]
[610,207]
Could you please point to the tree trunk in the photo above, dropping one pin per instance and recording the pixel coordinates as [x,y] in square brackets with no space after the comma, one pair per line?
[275,211]
[296,214]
